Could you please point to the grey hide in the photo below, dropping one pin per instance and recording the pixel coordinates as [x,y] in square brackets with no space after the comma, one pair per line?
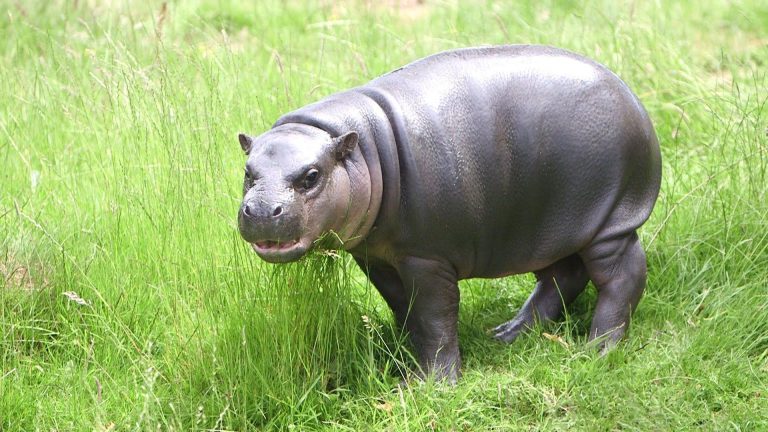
[478,162]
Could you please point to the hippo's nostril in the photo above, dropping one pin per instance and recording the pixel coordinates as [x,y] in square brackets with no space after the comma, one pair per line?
[278,211]
[248,211]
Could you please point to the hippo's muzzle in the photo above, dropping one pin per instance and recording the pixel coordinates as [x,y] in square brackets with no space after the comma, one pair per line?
[272,230]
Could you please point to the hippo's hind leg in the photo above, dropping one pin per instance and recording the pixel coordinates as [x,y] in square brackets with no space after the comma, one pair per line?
[617,267]
[556,287]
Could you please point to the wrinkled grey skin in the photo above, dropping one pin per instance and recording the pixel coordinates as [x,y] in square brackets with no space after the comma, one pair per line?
[480,162]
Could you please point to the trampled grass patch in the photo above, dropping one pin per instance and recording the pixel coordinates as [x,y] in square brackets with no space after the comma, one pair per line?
[129,302]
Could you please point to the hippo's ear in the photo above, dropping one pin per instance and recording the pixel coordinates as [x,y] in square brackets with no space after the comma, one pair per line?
[343,145]
[246,142]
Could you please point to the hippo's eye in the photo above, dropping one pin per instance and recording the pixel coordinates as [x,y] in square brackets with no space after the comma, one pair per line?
[310,179]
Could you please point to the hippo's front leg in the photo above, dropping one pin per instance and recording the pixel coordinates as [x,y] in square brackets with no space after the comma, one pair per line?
[424,297]
[432,319]
[387,281]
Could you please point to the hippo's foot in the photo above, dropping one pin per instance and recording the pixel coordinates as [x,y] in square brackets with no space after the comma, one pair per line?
[509,331]
[606,342]
[618,269]
[556,287]
[444,368]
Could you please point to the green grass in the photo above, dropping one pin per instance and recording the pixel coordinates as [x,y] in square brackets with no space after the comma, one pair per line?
[120,179]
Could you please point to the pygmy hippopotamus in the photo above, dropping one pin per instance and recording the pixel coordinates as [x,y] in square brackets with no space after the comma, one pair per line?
[471,163]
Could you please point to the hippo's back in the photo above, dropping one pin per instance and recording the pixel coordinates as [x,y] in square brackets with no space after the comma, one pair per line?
[513,157]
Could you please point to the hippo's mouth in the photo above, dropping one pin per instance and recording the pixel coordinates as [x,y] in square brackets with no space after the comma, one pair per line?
[273,245]
[280,251]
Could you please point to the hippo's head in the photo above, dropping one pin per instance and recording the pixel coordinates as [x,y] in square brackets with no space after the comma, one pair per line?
[299,184]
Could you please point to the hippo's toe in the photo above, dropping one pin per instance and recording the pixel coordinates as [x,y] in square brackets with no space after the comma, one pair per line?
[509,331]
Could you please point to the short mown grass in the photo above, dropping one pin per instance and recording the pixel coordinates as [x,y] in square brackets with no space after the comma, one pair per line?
[129,302]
